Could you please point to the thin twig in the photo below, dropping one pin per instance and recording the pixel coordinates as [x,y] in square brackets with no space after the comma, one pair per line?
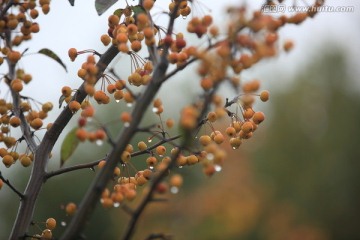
[72,168]
[7,182]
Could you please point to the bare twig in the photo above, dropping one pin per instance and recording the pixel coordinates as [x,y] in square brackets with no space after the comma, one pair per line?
[7,182]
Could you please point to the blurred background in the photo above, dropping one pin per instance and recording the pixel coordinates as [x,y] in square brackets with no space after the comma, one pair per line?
[298,178]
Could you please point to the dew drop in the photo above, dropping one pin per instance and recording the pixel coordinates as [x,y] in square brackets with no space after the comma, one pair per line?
[234,148]
[89,119]
[196,137]
[99,142]
[101,200]
[151,167]
[160,155]
[155,109]
[129,105]
[174,190]
[63,223]
[218,168]
[210,156]
[116,204]
[180,166]
[184,17]
[117,100]
[127,124]
[150,140]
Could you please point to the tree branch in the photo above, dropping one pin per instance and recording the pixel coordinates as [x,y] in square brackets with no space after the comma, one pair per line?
[92,196]
[41,156]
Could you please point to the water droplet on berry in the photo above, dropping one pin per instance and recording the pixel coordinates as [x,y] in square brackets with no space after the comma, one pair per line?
[210,156]
[174,190]
[218,168]
[117,100]
[150,140]
[99,142]
[116,204]
[155,109]
[151,167]
[184,17]
[63,223]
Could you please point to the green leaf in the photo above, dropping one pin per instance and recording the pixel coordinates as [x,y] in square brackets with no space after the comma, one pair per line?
[61,100]
[72,2]
[51,54]
[68,146]
[137,10]
[119,12]
[102,5]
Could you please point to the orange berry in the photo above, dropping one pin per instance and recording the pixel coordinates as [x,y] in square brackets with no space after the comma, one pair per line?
[192,159]
[15,121]
[72,53]
[151,161]
[47,107]
[8,160]
[148,4]
[50,223]
[288,45]
[264,96]
[111,88]
[219,138]
[74,106]
[101,164]
[14,56]
[235,143]
[100,134]
[206,83]
[258,117]
[46,234]
[25,161]
[125,117]
[136,46]
[247,127]
[211,116]
[170,123]
[160,150]
[176,180]
[205,140]
[125,156]
[81,134]
[16,85]
[230,131]
[113,20]
[1,183]
[70,208]
[105,39]
[36,123]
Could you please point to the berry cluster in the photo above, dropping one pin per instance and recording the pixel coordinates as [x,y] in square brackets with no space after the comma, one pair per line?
[9,121]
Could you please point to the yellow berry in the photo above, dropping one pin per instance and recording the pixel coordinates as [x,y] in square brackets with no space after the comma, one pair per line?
[142,146]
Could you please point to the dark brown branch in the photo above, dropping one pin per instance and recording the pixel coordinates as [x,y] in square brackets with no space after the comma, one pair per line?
[7,182]
[72,168]
[158,178]
[92,196]
[41,156]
